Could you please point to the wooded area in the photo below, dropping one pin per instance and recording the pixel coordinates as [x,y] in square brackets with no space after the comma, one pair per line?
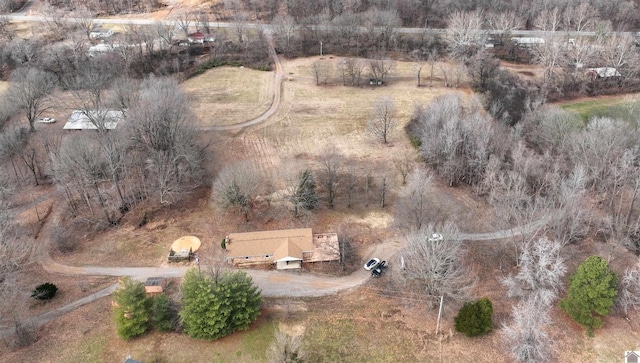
[503,141]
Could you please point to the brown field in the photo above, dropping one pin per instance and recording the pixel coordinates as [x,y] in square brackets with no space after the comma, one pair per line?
[229,95]
[375,323]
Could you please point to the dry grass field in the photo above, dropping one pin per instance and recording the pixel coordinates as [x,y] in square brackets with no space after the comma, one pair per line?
[229,95]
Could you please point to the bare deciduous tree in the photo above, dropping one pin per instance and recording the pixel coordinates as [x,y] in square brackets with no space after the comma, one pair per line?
[235,187]
[380,68]
[540,273]
[548,19]
[505,21]
[414,209]
[580,18]
[321,71]
[183,20]
[351,70]
[161,130]
[84,21]
[525,336]
[629,291]
[285,30]
[29,91]
[418,57]
[329,174]
[436,262]
[456,140]
[166,33]
[403,164]
[465,34]
[382,123]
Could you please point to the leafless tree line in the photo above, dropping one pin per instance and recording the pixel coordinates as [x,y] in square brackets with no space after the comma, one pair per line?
[549,168]
[574,178]
[337,180]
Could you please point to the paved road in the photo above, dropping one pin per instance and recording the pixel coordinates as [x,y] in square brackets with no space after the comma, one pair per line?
[129,21]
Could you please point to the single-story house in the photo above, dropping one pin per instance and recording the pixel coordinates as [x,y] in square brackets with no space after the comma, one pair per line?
[603,72]
[199,37]
[287,249]
[528,41]
[101,48]
[100,33]
[88,120]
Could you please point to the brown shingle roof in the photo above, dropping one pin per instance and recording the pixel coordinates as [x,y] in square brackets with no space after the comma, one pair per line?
[277,244]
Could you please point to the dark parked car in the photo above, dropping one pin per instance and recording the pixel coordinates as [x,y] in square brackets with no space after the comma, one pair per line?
[376,272]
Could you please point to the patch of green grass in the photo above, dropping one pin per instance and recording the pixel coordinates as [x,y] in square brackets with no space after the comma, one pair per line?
[89,349]
[609,107]
[255,343]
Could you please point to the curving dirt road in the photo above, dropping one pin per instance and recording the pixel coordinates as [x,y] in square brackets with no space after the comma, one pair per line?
[273,283]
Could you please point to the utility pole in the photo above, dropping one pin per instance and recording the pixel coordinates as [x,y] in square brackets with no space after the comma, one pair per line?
[439,314]
[321,49]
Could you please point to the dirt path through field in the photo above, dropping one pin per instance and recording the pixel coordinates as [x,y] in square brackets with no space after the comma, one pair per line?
[277,92]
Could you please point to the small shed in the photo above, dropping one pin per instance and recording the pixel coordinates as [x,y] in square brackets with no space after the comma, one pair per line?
[100,33]
[603,72]
[155,285]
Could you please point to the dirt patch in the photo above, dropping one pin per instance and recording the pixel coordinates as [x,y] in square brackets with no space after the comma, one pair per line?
[525,71]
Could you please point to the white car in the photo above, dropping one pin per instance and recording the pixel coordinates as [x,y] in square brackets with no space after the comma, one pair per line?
[47,120]
[373,263]
[436,237]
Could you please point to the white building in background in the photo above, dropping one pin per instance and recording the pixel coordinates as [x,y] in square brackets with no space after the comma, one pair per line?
[101,33]
[89,120]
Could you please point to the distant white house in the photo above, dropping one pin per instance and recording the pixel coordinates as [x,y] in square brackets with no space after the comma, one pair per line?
[199,37]
[603,72]
[527,42]
[101,48]
[89,120]
[101,33]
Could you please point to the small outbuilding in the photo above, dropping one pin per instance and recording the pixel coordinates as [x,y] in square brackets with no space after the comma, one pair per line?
[183,248]
[101,33]
[528,42]
[155,285]
[90,120]
[603,72]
